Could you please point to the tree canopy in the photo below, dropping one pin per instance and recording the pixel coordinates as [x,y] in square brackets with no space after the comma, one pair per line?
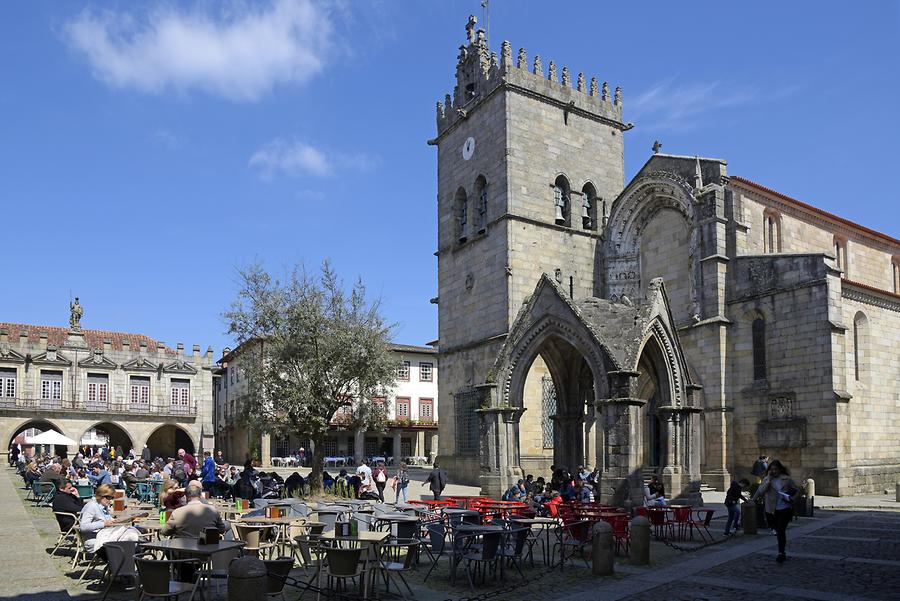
[309,347]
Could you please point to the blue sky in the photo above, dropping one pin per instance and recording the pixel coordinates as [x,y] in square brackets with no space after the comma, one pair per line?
[147,150]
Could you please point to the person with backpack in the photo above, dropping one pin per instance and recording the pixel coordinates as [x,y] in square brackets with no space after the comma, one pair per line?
[380,475]
[179,472]
[401,484]
[190,464]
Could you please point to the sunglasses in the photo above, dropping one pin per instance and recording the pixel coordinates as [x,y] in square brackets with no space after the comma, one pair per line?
[108,497]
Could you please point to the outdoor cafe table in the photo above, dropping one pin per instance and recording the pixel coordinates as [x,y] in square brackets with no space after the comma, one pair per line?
[503,508]
[461,514]
[545,525]
[398,518]
[433,504]
[465,501]
[192,546]
[368,537]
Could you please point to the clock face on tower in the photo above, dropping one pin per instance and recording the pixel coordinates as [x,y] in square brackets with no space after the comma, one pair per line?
[468,148]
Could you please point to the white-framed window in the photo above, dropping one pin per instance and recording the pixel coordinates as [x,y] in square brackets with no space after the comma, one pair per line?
[140,391]
[180,393]
[402,407]
[426,372]
[98,388]
[426,410]
[51,385]
[8,383]
[403,371]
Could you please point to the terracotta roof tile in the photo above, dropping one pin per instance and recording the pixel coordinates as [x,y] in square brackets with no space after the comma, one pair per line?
[94,338]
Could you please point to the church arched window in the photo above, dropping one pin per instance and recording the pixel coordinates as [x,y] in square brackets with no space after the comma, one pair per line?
[759,348]
[860,345]
[895,275]
[561,201]
[481,203]
[840,255]
[589,202]
[771,231]
[461,210]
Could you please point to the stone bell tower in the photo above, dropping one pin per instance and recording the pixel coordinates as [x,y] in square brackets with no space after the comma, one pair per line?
[530,159]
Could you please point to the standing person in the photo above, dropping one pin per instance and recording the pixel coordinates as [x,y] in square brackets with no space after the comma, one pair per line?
[364,472]
[733,499]
[146,455]
[760,467]
[190,464]
[208,473]
[380,475]
[220,459]
[437,479]
[779,493]
[401,484]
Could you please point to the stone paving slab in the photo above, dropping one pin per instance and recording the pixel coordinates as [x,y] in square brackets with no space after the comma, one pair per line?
[28,572]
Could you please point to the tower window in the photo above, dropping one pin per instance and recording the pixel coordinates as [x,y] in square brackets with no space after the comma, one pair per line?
[589,207]
[759,349]
[561,201]
[462,215]
[895,275]
[481,206]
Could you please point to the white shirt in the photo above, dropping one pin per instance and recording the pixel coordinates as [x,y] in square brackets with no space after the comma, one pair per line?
[365,474]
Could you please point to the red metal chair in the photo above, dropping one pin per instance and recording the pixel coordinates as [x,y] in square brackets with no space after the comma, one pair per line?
[621,534]
[702,524]
[681,518]
[660,523]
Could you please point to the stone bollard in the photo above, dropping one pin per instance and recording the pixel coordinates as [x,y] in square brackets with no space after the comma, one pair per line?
[898,492]
[247,580]
[810,497]
[603,549]
[748,517]
[639,551]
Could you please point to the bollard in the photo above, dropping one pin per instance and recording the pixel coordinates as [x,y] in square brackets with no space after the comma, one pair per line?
[748,517]
[603,549]
[898,492]
[639,550]
[247,580]
[810,497]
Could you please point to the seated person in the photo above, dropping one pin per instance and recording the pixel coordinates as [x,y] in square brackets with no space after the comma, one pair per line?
[193,518]
[53,474]
[67,500]
[516,492]
[95,515]
[99,476]
[651,497]
[293,483]
[584,493]
[170,496]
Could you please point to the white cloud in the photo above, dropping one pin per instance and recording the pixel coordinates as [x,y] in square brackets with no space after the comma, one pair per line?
[166,138]
[292,158]
[240,52]
[296,158]
[667,106]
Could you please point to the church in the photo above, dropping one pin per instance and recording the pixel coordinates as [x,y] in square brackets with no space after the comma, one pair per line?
[681,323]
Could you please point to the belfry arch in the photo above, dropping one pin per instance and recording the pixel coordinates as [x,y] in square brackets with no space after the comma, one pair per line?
[623,392]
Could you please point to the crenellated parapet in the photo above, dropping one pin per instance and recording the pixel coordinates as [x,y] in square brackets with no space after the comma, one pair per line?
[480,72]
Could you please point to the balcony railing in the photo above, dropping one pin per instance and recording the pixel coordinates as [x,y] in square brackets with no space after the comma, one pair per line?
[68,405]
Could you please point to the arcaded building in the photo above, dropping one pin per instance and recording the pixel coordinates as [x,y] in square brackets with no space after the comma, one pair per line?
[102,387]
[681,323]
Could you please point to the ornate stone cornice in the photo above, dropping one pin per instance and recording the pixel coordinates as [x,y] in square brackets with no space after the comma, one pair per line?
[883,300]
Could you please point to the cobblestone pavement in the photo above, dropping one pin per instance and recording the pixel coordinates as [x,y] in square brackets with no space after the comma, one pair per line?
[838,556]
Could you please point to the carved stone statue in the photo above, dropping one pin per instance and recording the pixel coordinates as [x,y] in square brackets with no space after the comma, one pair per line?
[470,28]
[76,312]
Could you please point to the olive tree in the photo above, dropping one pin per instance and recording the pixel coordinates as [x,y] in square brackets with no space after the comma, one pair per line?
[312,347]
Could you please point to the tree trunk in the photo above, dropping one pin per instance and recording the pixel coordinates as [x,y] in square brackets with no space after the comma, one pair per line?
[317,464]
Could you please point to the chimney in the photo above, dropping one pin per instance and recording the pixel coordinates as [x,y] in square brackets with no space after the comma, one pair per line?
[195,351]
[180,348]
[143,348]
[209,353]
[160,348]
[107,345]
[4,335]
[43,341]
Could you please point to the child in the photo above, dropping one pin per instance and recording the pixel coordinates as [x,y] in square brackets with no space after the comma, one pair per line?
[733,499]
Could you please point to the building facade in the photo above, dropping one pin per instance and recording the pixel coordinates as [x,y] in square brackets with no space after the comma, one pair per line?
[680,323]
[97,387]
[411,408]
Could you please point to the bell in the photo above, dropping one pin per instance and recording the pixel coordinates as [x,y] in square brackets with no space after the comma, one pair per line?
[559,215]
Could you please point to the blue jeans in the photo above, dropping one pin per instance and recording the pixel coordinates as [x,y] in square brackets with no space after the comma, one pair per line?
[734,517]
[401,490]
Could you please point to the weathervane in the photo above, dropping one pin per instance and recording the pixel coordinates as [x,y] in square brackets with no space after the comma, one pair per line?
[486,5]
[656,147]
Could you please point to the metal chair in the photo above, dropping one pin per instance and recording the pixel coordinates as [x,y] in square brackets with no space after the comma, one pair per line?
[43,493]
[255,536]
[574,537]
[277,570]
[158,578]
[65,533]
[119,562]
[81,551]
[85,491]
[435,545]
[398,557]
[485,557]
[342,565]
[514,546]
